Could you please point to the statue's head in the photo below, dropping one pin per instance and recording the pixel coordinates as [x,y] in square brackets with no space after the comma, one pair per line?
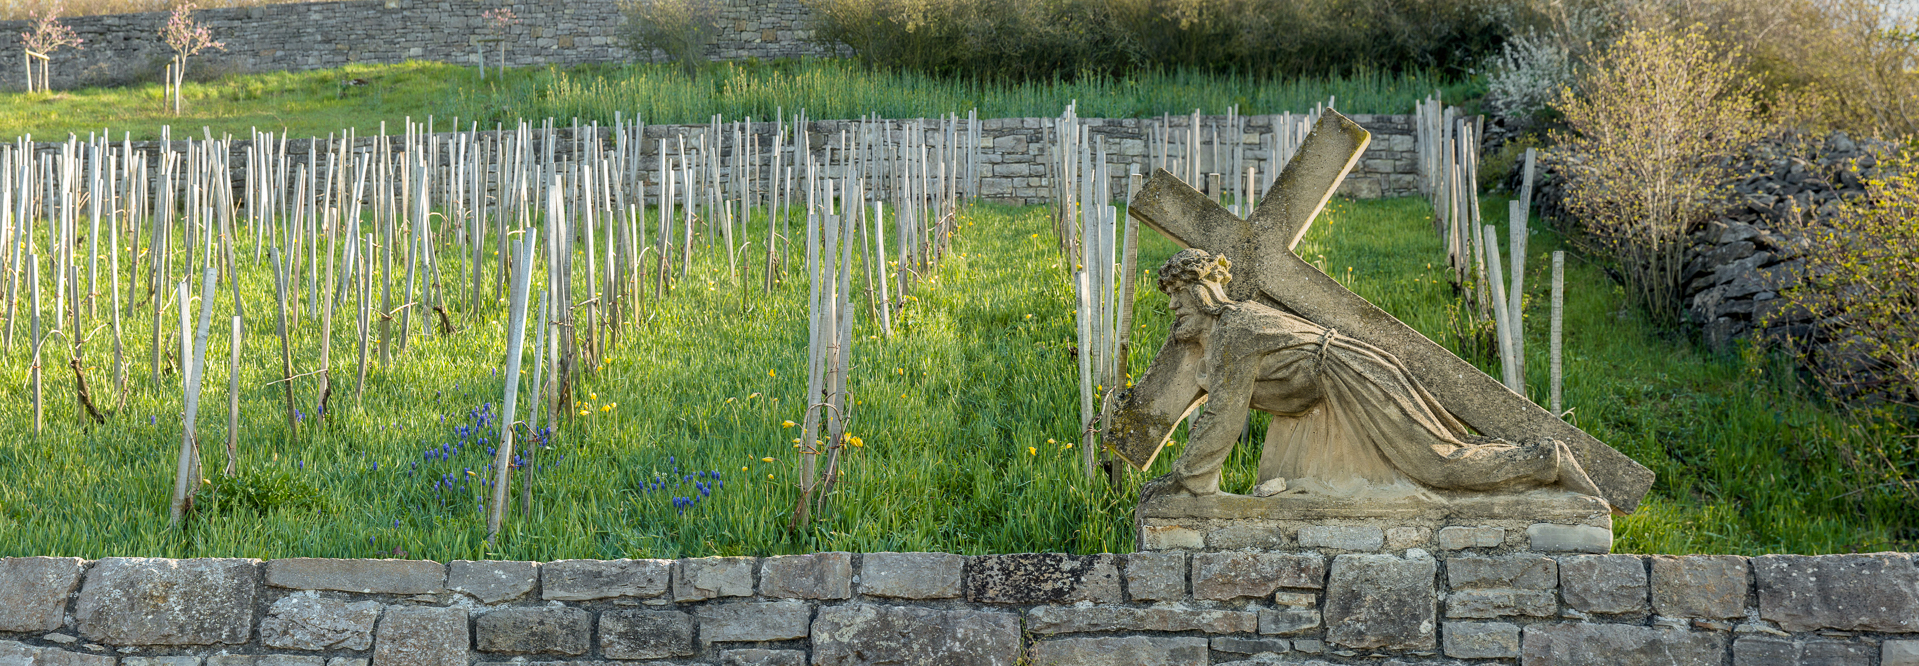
[1198,275]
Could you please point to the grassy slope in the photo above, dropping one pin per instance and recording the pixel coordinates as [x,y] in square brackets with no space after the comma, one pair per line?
[965,416]
[315,103]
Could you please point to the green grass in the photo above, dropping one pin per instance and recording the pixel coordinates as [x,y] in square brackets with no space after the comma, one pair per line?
[302,104]
[956,413]
[316,103]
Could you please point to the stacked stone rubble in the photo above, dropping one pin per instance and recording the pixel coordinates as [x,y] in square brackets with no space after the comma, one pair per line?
[1171,607]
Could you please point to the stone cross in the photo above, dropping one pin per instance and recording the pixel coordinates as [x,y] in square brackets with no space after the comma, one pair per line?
[1265,269]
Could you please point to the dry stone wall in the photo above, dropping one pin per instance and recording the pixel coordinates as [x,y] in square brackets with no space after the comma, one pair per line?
[1172,607]
[126,47]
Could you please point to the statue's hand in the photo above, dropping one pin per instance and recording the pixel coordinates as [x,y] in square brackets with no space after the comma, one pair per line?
[1166,485]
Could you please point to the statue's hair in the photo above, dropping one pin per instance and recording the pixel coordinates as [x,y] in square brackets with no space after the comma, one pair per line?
[1193,266]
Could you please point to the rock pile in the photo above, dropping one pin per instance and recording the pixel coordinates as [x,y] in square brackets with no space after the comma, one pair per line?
[1738,263]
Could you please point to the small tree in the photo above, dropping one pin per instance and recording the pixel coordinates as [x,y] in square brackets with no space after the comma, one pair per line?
[1651,129]
[681,29]
[498,21]
[187,39]
[48,35]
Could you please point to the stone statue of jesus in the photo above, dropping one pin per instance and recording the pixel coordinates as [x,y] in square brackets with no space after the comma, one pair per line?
[1348,420]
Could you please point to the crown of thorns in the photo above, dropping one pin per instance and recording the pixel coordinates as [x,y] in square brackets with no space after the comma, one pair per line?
[1192,266]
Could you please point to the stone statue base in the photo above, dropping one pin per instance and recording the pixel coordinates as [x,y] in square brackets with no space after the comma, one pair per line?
[1544,520]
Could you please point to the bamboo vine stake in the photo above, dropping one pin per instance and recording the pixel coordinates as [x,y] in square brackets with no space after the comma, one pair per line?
[516,336]
[188,472]
[1502,318]
[286,349]
[1553,344]
[233,399]
[1515,303]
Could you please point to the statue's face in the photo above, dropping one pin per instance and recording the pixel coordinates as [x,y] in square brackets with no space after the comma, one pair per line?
[1189,320]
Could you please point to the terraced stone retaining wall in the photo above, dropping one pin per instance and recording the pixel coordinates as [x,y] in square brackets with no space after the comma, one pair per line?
[121,48]
[1167,607]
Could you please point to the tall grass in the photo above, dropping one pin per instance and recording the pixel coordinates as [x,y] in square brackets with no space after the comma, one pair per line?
[843,89]
[315,103]
[21,10]
[965,416]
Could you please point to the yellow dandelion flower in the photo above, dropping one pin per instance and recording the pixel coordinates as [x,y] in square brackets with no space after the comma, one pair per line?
[593,396]
[729,400]
[585,412]
[606,408]
[770,373]
[1032,450]
[787,424]
[742,469]
[1051,442]
[766,460]
[769,477]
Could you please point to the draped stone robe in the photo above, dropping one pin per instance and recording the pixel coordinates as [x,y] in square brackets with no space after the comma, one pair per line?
[1348,418]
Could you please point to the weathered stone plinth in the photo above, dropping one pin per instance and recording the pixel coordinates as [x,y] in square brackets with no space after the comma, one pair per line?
[1539,521]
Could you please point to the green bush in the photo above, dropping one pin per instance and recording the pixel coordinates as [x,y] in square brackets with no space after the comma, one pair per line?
[1025,39]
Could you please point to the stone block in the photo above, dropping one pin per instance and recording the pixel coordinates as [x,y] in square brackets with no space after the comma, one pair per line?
[1401,538]
[1501,602]
[753,621]
[534,630]
[1482,640]
[712,577]
[1039,578]
[866,634]
[1708,586]
[812,576]
[1619,645]
[493,581]
[1829,652]
[1125,651]
[1156,576]
[1074,620]
[1604,583]
[1169,537]
[363,576]
[34,590]
[1225,576]
[1246,537]
[421,636]
[1875,592]
[1551,538]
[1456,538]
[1285,621]
[757,657]
[1383,602]
[1295,599]
[585,580]
[1899,653]
[14,653]
[1522,572]
[1764,650]
[265,660]
[1363,538]
[154,601]
[159,661]
[643,634]
[1237,645]
[911,575]
[306,622]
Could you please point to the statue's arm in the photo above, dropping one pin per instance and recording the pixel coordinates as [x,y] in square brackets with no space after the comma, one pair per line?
[1229,396]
